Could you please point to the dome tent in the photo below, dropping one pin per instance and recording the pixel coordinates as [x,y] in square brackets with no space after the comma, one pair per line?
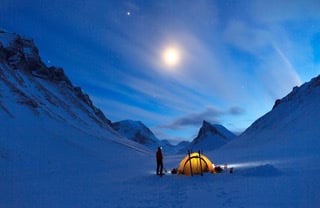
[195,163]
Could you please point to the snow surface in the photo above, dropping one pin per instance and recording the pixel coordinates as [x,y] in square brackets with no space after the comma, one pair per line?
[56,155]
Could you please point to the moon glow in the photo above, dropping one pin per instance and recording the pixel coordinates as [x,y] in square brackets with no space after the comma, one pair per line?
[171,56]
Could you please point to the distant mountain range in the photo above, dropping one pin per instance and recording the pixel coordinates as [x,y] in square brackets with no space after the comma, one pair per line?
[210,137]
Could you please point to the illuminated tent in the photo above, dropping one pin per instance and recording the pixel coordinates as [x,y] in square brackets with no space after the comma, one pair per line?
[195,163]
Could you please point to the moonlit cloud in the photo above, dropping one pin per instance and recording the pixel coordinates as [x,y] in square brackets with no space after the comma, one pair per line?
[211,114]
[236,111]
[284,10]
[246,37]
[128,111]
[277,74]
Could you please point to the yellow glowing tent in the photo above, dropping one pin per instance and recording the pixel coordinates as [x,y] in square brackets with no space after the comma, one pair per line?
[195,163]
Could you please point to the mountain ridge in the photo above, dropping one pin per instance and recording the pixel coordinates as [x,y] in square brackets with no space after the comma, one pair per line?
[136,131]
[290,127]
[210,137]
[37,86]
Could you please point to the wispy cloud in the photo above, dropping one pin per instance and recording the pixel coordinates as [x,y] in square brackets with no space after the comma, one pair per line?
[277,74]
[246,37]
[117,111]
[210,114]
[285,10]
[273,67]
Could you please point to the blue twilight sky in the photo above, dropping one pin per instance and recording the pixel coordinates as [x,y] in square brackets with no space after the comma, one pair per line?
[235,57]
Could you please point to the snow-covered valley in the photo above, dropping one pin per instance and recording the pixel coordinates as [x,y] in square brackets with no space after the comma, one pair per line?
[58,150]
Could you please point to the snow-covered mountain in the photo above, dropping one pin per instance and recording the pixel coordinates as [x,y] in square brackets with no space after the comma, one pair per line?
[182,145]
[53,140]
[136,131]
[290,128]
[140,133]
[36,100]
[210,137]
[28,83]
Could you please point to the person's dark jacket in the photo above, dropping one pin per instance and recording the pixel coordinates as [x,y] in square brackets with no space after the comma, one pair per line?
[159,155]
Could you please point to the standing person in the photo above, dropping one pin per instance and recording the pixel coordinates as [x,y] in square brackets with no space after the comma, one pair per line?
[159,161]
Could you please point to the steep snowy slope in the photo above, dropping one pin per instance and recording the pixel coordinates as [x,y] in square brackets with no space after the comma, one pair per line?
[24,79]
[55,145]
[48,163]
[279,153]
[210,137]
[290,128]
[27,84]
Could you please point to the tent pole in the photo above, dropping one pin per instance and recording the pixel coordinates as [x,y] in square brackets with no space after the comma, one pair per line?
[190,163]
[200,164]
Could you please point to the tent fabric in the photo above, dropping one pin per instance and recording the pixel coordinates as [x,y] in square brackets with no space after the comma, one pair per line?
[198,163]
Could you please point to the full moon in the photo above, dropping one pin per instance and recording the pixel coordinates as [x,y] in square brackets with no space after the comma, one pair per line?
[171,56]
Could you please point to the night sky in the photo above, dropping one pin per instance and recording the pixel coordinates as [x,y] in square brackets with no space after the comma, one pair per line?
[173,64]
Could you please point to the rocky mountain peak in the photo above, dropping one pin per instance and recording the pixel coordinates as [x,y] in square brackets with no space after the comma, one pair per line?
[208,128]
[20,63]
[306,88]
